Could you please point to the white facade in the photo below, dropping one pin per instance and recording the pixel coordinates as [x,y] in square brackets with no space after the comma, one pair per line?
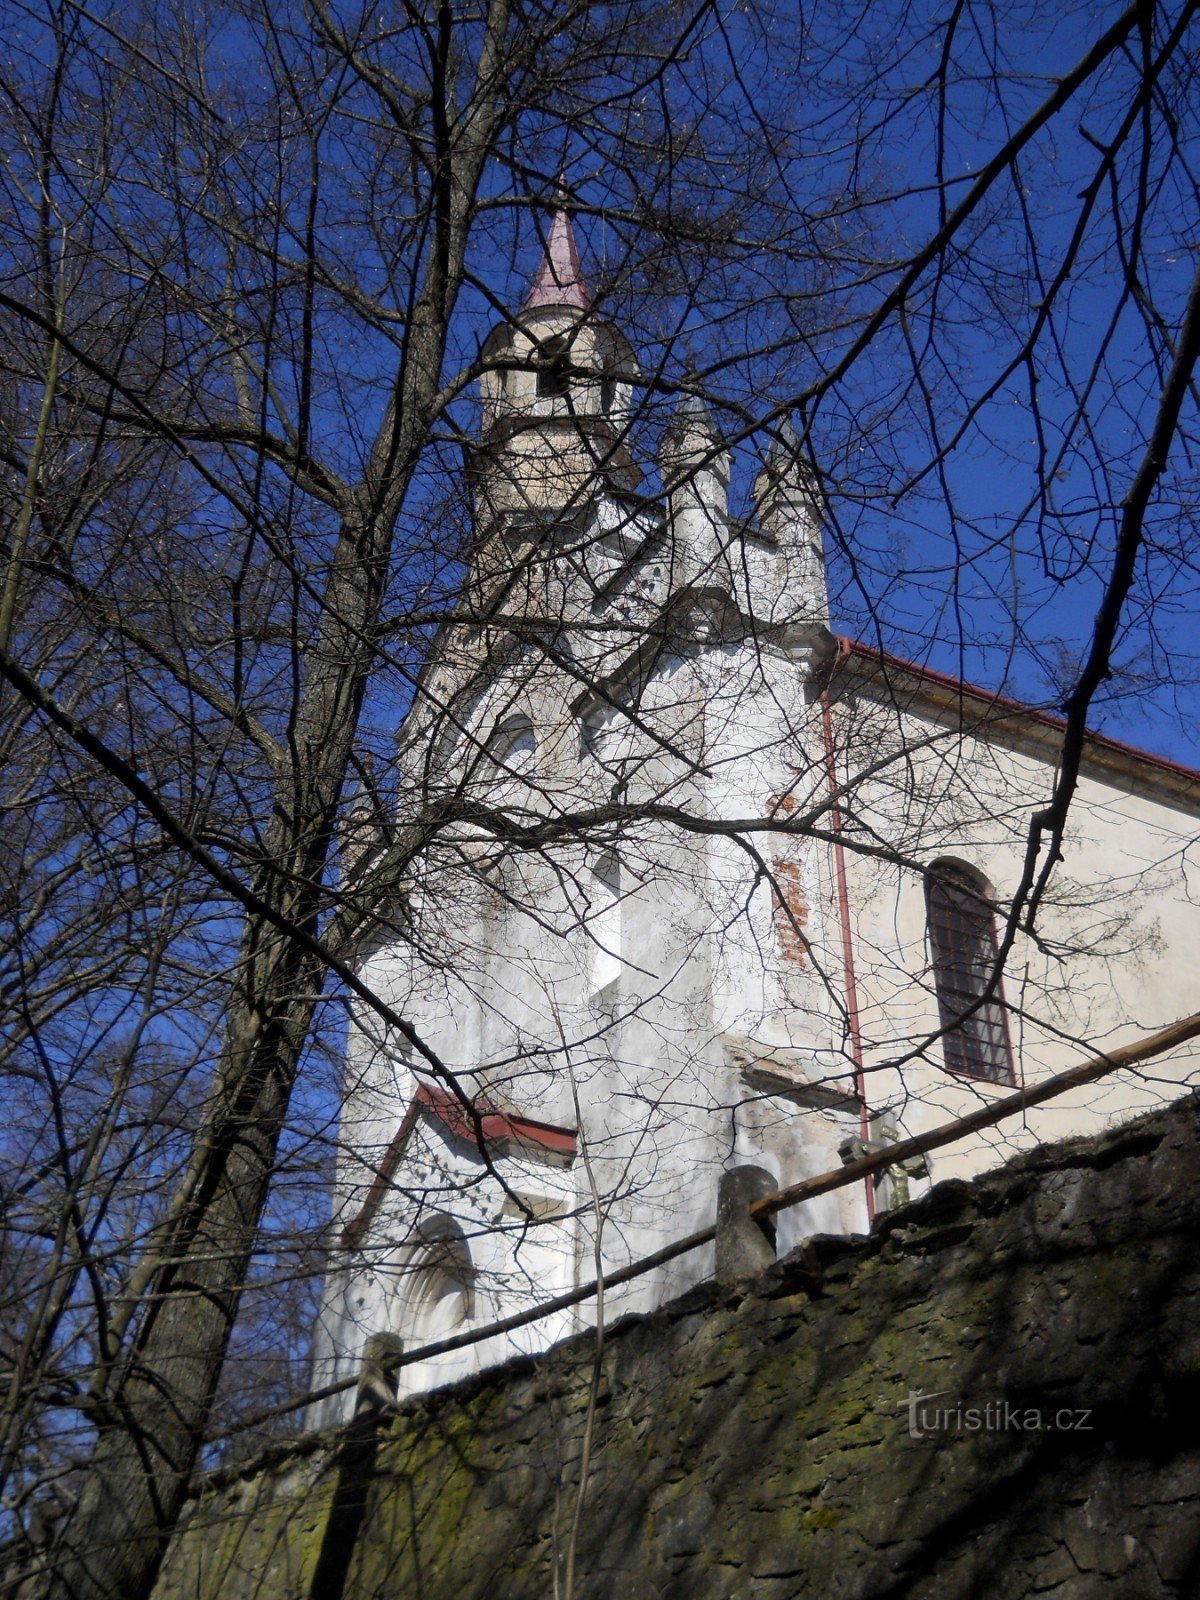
[690,842]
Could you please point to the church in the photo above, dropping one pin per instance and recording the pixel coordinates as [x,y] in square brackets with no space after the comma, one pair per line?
[712,889]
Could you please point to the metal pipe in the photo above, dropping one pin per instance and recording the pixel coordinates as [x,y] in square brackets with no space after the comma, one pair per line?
[850,977]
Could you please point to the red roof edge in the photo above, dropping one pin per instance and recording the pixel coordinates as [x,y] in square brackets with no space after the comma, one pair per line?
[1003,702]
[495,1125]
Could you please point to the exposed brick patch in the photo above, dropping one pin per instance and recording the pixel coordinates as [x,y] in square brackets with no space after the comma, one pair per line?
[791,912]
[788,899]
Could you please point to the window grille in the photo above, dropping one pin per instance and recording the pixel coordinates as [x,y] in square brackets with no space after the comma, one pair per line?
[962,937]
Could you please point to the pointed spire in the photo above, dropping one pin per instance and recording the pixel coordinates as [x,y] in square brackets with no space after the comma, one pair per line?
[691,433]
[784,449]
[559,279]
[786,470]
[692,414]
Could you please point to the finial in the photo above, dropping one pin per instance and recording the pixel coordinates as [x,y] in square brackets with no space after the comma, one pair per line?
[559,279]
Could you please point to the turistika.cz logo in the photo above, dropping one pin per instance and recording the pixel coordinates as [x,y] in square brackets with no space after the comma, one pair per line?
[995,1416]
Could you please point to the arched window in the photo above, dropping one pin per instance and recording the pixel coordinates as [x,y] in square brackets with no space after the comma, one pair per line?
[962,940]
[439,1294]
[604,921]
[512,743]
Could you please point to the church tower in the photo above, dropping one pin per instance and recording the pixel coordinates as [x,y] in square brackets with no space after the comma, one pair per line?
[615,1014]
[556,398]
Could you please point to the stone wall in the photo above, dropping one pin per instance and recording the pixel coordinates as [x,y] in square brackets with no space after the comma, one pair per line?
[756,1441]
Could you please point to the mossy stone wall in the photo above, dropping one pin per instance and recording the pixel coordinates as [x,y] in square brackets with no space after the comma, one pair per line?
[754,1443]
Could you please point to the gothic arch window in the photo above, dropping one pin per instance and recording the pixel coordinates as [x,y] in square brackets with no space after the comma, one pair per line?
[512,743]
[962,943]
[439,1293]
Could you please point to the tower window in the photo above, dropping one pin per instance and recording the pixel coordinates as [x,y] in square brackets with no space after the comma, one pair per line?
[962,939]
[554,371]
[608,393]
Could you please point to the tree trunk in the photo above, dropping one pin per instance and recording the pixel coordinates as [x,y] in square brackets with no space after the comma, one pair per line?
[156,1408]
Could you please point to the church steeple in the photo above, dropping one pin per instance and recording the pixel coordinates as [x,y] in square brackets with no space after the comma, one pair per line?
[559,280]
[556,389]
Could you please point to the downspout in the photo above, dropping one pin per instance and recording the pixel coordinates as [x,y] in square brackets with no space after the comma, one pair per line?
[843,897]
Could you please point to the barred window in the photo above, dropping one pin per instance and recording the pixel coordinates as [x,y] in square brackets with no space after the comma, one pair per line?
[962,938]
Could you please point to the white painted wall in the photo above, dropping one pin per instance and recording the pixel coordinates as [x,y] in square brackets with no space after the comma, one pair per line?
[643,983]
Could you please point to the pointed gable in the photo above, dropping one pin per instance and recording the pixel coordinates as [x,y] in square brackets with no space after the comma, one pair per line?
[503,1132]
